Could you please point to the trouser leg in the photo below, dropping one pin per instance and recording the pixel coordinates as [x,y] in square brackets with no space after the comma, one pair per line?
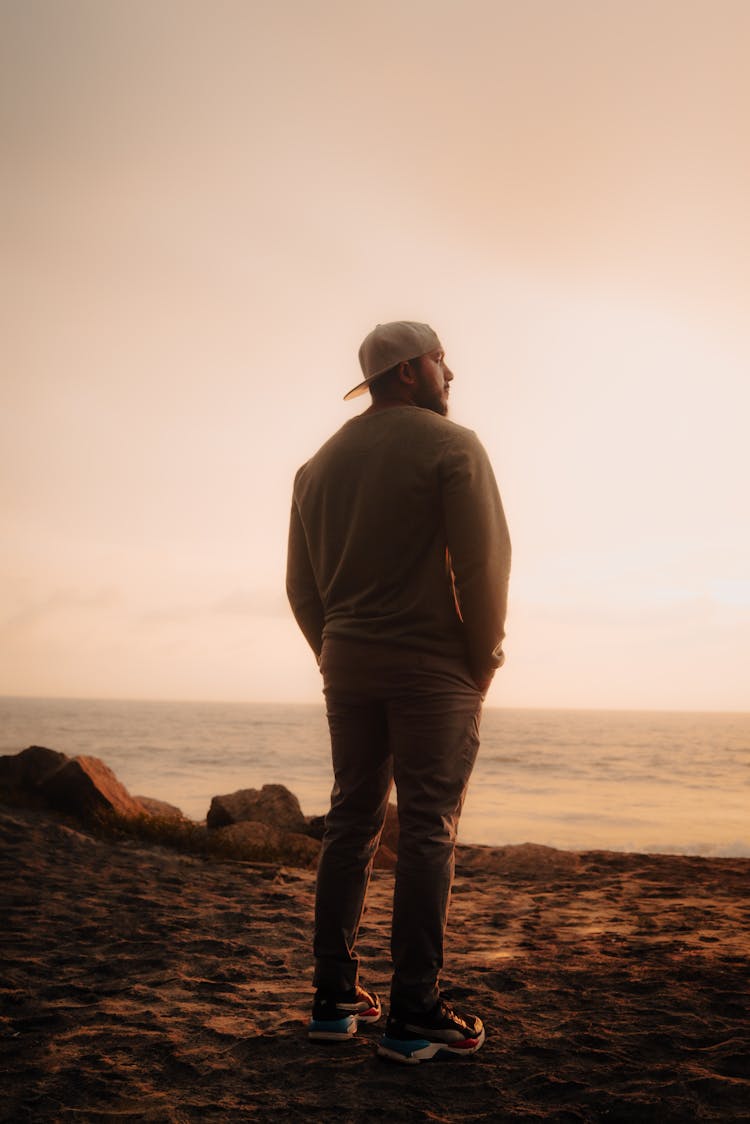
[393,711]
[362,782]
[434,739]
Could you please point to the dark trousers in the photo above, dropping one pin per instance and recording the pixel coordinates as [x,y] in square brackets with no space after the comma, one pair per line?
[393,714]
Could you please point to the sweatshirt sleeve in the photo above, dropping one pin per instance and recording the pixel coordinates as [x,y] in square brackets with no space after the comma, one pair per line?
[479,546]
[301,587]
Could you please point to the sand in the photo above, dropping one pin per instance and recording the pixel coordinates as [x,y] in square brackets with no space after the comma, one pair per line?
[142,984]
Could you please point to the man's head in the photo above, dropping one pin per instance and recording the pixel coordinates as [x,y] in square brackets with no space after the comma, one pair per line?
[404,361]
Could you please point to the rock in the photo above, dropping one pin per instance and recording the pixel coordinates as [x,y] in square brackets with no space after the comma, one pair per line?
[316,825]
[79,786]
[252,839]
[300,849]
[274,805]
[249,833]
[385,858]
[85,787]
[389,838]
[27,768]
[159,809]
[527,861]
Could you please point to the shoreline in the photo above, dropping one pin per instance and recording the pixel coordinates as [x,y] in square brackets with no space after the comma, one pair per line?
[577,780]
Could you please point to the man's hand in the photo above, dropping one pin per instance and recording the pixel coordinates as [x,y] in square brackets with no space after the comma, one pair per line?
[484,681]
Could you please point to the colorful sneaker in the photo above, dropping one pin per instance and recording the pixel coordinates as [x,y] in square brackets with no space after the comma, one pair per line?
[440,1032]
[335,1017]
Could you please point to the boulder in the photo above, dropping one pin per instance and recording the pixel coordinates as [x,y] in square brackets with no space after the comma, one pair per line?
[85,787]
[26,769]
[274,805]
[300,850]
[252,839]
[249,833]
[159,809]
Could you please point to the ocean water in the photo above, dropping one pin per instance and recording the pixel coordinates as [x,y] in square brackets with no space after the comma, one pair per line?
[618,780]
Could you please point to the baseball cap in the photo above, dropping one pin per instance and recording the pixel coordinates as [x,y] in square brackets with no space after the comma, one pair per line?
[390,344]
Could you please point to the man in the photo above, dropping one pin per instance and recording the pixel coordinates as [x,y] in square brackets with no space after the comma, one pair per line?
[397,574]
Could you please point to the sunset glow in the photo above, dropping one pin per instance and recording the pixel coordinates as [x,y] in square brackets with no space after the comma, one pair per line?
[207,206]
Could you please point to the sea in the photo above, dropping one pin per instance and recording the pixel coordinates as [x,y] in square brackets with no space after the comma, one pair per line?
[647,781]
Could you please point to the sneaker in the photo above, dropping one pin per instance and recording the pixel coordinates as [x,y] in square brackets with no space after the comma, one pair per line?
[440,1032]
[335,1017]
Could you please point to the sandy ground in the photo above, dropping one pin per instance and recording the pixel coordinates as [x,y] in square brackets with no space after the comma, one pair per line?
[141,984]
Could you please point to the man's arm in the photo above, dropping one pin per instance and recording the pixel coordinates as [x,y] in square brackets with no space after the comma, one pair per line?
[301,587]
[479,545]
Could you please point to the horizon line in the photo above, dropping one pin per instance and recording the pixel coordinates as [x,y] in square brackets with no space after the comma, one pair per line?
[321,702]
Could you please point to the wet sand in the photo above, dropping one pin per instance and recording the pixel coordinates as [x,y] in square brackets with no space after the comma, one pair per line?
[143,984]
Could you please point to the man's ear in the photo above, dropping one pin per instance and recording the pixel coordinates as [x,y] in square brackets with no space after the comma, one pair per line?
[406,374]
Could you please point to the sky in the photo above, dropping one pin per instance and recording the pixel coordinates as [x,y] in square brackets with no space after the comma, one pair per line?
[207,205]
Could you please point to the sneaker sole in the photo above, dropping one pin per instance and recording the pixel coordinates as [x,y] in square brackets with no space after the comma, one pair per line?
[415,1050]
[340,1030]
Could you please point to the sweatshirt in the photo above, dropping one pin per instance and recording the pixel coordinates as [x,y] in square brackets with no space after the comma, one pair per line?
[397,535]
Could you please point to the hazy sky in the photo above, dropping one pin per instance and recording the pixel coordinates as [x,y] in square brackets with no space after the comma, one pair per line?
[206,206]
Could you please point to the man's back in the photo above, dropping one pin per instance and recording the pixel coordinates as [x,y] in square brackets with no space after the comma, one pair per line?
[379,505]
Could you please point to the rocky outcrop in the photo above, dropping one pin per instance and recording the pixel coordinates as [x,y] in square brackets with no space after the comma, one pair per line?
[82,787]
[268,820]
[273,804]
[251,824]
[272,817]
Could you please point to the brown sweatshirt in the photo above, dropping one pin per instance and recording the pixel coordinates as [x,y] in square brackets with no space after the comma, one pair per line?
[397,534]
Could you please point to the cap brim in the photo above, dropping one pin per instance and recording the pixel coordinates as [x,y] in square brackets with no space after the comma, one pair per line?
[360,388]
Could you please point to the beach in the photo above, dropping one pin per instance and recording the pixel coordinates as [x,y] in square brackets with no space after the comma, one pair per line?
[652,782]
[141,983]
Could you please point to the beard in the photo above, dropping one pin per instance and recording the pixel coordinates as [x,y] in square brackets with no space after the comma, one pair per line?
[431,397]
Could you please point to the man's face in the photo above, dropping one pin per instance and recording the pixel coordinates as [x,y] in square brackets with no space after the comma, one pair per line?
[433,379]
